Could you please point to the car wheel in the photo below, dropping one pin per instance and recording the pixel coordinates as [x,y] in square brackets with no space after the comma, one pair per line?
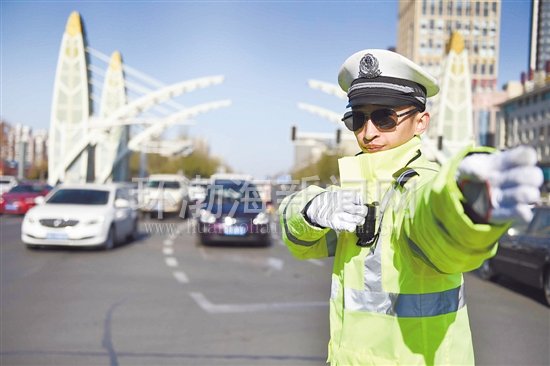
[486,271]
[110,241]
[547,286]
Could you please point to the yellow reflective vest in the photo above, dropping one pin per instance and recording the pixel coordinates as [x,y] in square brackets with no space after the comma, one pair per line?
[400,301]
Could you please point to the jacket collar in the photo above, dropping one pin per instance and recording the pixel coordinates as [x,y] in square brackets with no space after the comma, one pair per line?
[365,170]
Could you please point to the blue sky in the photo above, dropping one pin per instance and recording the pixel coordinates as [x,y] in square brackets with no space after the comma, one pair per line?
[267,50]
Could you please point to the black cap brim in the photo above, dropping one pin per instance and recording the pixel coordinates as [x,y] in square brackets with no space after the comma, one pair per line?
[384,100]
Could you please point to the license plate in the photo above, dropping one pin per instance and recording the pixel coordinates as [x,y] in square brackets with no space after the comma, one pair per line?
[11,207]
[56,236]
[234,230]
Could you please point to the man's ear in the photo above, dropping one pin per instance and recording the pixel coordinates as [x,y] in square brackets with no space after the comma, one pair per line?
[422,122]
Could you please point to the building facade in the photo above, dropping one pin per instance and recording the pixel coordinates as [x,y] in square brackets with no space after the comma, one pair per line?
[425,29]
[525,120]
[425,26]
[21,143]
[539,45]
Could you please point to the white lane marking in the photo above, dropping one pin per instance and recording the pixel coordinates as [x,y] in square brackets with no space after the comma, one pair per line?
[211,308]
[316,262]
[275,263]
[171,261]
[168,242]
[181,277]
[167,251]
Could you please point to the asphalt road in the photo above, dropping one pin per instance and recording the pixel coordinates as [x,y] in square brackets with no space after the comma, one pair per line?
[164,300]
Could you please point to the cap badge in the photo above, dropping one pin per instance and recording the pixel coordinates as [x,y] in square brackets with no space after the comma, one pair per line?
[368,67]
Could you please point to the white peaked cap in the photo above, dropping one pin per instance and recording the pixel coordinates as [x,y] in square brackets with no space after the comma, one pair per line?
[374,76]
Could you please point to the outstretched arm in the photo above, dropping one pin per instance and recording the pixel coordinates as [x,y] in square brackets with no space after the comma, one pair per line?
[448,230]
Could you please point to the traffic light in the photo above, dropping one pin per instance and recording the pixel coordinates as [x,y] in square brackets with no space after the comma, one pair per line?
[293,133]
[338,136]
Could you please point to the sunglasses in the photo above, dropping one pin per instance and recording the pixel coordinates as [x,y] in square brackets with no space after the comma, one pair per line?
[384,118]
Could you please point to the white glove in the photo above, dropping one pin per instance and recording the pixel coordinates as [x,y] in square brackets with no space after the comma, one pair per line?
[511,180]
[338,210]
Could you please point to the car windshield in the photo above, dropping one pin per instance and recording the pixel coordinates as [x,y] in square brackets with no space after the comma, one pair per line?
[27,188]
[80,197]
[167,184]
[541,223]
[233,191]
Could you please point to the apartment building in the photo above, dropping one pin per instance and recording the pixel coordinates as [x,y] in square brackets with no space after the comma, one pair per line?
[425,26]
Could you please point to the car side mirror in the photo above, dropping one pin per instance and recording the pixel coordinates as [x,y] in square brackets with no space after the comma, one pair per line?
[39,200]
[122,203]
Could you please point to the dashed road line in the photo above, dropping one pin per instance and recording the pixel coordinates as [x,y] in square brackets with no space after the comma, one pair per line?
[181,277]
[171,261]
[275,263]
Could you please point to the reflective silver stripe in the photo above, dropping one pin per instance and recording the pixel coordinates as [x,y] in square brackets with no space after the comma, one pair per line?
[334,287]
[405,305]
[374,299]
[330,236]
[401,88]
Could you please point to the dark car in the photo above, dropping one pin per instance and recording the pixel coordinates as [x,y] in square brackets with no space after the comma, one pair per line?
[233,212]
[21,198]
[524,254]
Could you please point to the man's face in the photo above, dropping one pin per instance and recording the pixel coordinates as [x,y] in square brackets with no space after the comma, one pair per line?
[372,138]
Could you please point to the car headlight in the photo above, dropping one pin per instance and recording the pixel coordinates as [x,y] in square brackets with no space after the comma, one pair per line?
[206,217]
[95,220]
[261,219]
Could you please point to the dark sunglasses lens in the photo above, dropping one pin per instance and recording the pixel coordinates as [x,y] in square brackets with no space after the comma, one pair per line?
[384,118]
[358,120]
[348,120]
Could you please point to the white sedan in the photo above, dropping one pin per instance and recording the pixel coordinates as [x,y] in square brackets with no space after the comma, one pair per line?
[82,215]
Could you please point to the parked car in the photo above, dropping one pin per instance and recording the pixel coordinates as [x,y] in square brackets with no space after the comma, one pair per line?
[524,253]
[21,198]
[7,182]
[233,212]
[165,193]
[82,215]
[197,190]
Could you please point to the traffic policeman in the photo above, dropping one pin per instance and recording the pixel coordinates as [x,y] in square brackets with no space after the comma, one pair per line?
[403,229]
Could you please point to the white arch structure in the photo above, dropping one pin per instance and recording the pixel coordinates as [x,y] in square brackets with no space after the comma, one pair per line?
[328,88]
[168,148]
[71,104]
[162,95]
[321,112]
[122,115]
[309,139]
[159,126]
[138,142]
